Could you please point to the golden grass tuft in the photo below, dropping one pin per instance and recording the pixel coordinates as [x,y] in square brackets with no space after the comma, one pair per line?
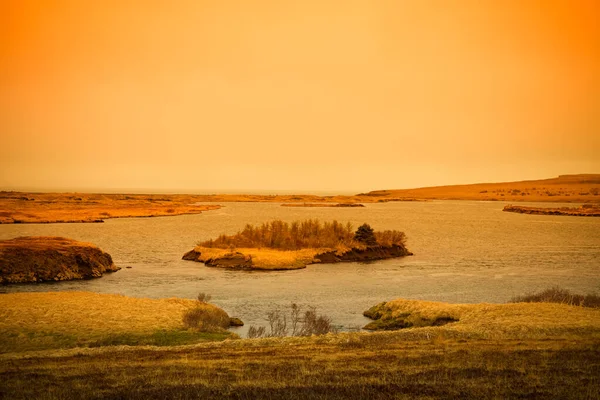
[264,258]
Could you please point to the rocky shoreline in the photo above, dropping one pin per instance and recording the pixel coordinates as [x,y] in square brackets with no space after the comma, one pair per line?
[41,259]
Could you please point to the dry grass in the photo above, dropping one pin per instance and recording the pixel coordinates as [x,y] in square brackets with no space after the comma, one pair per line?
[584,211]
[494,321]
[33,321]
[562,296]
[24,207]
[267,259]
[16,207]
[373,366]
[566,188]
[525,350]
[341,205]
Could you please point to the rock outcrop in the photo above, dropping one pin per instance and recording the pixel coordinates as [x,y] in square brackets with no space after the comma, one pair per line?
[370,253]
[39,259]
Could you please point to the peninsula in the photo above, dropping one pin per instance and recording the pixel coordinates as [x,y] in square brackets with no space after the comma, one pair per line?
[40,258]
[27,207]
[22,208]
[277,245]
[586,210]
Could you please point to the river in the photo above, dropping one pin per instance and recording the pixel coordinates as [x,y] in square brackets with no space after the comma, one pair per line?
[465,251]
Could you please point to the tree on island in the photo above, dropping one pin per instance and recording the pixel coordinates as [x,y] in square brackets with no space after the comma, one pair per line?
[366,235]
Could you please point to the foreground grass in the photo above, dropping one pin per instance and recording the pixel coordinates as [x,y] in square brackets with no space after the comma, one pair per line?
[523,350]
[40,321]
[374,366]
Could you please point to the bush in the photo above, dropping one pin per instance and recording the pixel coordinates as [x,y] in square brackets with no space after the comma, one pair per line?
[300,323]
[205,317]
[204,297]
[365,234]
[558,295]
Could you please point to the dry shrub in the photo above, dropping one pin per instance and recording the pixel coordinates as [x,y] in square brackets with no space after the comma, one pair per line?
[205,317]
[256,332]
[310,233]
[300,323]
[558,295]
[204,297]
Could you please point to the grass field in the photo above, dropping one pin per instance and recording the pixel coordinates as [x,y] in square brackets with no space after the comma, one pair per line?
[518,350]
[41,321]
[374,366]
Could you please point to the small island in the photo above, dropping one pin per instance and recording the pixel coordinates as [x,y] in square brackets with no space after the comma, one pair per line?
[586,210]
[41,258]
[322,205]
[277,245]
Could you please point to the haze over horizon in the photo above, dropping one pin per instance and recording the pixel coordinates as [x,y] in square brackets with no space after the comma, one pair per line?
[331,96]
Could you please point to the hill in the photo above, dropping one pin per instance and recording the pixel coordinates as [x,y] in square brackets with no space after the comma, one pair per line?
[565,188]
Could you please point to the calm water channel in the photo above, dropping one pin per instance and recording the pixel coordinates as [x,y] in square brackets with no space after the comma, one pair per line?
[464,252]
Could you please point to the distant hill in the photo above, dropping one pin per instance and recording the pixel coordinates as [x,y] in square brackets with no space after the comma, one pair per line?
[566,188]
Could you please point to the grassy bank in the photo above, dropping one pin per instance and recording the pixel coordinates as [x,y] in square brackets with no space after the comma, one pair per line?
[39,321]
[488,321]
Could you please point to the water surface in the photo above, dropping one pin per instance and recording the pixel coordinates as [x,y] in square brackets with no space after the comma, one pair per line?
[464,252]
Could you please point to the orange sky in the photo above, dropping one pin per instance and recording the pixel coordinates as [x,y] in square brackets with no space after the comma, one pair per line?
[342,95]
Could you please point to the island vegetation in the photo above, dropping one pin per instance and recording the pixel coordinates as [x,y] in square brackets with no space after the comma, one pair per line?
[340,205]
[40,258]
[278,245]
[586,210]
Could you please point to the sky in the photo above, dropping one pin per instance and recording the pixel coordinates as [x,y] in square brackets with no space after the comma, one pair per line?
[337,96]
